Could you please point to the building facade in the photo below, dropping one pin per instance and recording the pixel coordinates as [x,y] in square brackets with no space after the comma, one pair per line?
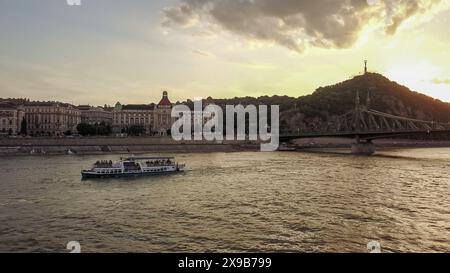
[163,110]
[95,115]
[126,116]
[57,119]
[11,117]
[155,119]
[51,118]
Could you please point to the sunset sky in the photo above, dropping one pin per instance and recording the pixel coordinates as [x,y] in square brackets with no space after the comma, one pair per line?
[106,51]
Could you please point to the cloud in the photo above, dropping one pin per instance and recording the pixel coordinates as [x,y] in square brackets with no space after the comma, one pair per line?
[203,53]
[182,15]
[295,24]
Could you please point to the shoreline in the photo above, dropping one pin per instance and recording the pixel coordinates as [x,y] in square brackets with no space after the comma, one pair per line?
[112,150]
[145,145]
[100,146]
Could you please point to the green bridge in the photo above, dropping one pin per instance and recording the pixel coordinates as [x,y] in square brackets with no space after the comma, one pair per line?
[364,125]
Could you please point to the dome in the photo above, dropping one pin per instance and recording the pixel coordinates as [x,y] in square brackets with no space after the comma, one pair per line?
[165,100]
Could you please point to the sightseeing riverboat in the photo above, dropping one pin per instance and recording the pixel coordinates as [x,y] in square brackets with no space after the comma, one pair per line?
[134,166]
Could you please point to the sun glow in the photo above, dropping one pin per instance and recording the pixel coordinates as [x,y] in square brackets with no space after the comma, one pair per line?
[419,76]
[412,72]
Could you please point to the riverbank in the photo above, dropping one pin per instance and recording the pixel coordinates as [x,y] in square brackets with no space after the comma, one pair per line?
[334,143]
[92,146]
[142,145]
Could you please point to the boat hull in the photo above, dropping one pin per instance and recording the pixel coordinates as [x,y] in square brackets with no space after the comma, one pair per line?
[92,175]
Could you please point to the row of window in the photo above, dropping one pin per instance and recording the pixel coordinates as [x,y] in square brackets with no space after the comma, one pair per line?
[7,131]
[49,119]
[139,115]
[142,121]
[6,121]
[156,170]
[53,111]
[117,171]
[8,113]
[114,171]
[134,115]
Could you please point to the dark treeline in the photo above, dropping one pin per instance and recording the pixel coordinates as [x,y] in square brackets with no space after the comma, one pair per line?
[325,103]
[101,129]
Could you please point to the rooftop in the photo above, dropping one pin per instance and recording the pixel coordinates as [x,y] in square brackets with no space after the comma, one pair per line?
[8,106]
[138,107]
[47,103]
[165,100]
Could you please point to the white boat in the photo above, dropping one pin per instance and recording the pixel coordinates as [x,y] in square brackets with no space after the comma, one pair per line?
[134,166]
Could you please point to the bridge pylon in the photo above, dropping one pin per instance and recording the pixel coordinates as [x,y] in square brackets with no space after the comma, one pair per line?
[361,147]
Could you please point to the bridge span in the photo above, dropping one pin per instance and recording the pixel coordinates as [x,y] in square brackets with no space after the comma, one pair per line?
[365,125]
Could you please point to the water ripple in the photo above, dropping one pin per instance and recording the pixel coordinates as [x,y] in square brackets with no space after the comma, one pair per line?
[270,202]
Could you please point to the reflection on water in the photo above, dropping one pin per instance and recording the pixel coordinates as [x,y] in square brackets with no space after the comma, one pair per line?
[291,202]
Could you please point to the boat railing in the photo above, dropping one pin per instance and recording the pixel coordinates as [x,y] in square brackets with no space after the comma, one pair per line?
[103,164]
[159,164]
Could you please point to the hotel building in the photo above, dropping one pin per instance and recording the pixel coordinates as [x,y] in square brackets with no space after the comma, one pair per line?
[155,118]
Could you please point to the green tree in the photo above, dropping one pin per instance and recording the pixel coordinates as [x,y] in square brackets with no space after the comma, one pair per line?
[85,129]
[23,127]
[136,130]
[103,129]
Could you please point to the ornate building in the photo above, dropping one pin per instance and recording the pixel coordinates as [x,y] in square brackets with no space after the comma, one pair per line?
[11,117]
[51,118]
[155,119]
[163,121]
[95,115]
[42,118]
[126,116]
[56,118]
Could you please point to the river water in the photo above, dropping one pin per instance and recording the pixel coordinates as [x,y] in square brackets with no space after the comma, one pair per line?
[233,202]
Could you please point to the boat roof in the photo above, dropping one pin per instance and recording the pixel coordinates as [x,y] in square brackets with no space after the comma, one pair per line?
[150,158]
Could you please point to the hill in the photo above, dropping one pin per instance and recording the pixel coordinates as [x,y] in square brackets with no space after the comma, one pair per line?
[385,96]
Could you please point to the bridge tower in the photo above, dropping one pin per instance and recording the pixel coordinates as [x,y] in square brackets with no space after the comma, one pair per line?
[361,147]
[357,115]
[368,100]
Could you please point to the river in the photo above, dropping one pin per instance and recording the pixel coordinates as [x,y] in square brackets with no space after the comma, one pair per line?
[232,202]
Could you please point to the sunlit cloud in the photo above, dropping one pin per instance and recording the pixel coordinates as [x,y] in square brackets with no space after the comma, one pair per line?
[221,48]
[297,24]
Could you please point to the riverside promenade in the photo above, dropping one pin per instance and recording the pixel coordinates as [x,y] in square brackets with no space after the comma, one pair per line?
[101,145]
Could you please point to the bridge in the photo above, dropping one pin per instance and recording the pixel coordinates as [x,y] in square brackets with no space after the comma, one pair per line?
[364,125]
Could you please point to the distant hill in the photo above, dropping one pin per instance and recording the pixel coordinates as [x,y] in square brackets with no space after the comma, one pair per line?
[385,96]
